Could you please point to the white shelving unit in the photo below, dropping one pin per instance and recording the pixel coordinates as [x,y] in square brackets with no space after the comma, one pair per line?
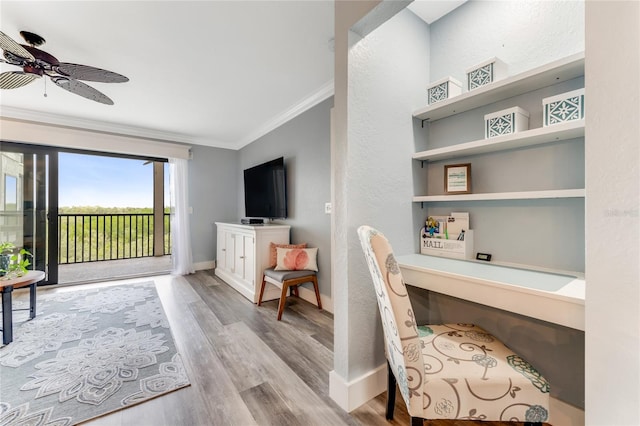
[520,195]
[560,132]
[553,73]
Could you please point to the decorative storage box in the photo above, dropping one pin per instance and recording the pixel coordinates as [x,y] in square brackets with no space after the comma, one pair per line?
[448,248]
[505,122]
[486,72]
[443,89]
[564,107]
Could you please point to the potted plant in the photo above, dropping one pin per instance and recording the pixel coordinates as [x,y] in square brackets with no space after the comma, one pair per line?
[13,265]
[5,256]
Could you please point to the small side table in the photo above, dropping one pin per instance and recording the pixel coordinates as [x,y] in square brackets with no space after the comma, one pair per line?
[30,279]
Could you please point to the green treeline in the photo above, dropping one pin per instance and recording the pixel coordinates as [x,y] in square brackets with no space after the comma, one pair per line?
[106,210]
[93,233]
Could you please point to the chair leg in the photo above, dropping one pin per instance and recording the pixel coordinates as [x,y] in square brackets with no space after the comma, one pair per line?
[391,392]
[314,280]
[261,290]
[283,298]
[417,421]
[294,290]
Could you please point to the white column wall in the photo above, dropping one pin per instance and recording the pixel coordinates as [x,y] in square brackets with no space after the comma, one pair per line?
[387,75]
[613,198]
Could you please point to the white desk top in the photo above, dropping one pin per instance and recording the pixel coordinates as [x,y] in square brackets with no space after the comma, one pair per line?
[550,297]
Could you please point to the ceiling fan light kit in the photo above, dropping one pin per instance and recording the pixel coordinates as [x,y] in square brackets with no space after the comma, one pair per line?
[38,63]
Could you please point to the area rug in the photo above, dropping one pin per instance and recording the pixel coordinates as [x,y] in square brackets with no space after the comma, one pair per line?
[88,353]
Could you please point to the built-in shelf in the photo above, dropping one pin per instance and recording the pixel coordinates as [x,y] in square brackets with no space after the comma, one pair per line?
[558,132]
[553,73]
[494,196]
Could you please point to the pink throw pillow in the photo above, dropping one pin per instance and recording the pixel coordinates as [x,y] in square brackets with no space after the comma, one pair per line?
[273,256]
[296,259]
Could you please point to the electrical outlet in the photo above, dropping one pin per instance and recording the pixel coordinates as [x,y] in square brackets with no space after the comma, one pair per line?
[327,208]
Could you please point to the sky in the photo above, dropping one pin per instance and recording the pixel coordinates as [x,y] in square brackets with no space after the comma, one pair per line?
[92,180]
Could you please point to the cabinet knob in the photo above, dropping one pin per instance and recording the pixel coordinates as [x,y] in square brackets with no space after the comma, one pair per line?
[241,257]
[224,249]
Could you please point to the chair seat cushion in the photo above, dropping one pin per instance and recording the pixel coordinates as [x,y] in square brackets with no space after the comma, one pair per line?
[281,276]
[469,371]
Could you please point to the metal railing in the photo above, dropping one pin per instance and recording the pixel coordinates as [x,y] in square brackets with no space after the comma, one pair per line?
[112,236]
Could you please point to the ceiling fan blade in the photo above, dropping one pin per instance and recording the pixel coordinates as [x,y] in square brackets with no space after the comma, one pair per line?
[9,45]
[15,79]
[87,73]
[81,89]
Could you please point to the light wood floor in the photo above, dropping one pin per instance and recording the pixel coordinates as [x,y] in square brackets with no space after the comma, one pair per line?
[245,367]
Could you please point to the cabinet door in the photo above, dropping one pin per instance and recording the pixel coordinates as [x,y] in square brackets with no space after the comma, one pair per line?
[230,250]
[221,251]
[244,258]
[248,245]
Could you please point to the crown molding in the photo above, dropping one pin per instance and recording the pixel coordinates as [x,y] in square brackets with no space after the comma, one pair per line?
[94,125]
[323,93]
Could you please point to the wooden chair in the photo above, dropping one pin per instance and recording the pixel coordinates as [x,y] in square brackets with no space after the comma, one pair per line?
[288,280]
[447,371]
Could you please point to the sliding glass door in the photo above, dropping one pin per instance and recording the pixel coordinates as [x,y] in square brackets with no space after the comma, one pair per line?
[29,203]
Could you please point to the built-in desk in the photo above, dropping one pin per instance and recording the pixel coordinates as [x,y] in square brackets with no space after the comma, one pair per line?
[546,296]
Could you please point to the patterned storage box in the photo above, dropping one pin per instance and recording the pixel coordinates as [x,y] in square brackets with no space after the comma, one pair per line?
[505,122]
[443,89]
[486,72]
[565,107]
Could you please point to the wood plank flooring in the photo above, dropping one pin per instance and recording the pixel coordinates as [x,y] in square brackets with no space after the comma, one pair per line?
[245,367]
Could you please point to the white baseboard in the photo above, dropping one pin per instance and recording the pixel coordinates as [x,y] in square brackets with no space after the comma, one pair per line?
[352,395]
[310,296]
[200,266]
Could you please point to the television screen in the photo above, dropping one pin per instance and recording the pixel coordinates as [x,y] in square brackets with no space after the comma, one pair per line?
[265,190]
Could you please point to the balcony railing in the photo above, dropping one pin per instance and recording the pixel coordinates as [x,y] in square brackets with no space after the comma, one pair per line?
[97,237]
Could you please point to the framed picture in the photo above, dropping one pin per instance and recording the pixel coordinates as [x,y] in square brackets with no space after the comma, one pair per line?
[457,178]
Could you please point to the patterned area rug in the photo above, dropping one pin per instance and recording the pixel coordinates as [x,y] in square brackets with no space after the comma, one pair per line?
[88,353]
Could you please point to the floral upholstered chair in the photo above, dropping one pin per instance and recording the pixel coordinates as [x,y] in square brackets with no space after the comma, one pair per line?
[447,371]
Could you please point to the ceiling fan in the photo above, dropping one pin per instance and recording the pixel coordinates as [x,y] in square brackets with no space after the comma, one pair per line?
[36,63]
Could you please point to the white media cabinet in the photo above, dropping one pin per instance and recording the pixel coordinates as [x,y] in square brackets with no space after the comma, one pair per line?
[243,254]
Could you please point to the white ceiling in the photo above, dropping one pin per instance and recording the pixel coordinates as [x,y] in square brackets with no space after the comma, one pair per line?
[432,10]
[216,73]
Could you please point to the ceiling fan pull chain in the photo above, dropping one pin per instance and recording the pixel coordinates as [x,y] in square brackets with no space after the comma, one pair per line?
[45,87]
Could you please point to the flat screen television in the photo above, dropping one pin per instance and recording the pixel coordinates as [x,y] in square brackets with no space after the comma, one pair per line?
[265,190]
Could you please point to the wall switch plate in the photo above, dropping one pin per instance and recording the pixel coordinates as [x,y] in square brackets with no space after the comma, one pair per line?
[327,208]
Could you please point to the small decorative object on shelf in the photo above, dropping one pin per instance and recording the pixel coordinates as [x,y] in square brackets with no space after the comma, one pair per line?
[457,178]
[454,238]
[443,89]
[505,122]
[564,107]
[486,72]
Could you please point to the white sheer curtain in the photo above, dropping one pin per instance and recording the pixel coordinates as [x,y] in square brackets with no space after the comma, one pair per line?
[180,230]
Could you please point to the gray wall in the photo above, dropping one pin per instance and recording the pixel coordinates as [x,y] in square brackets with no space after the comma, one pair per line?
[213,191]
[304,142]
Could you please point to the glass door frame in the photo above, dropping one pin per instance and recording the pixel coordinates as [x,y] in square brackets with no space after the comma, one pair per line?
[43,189]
